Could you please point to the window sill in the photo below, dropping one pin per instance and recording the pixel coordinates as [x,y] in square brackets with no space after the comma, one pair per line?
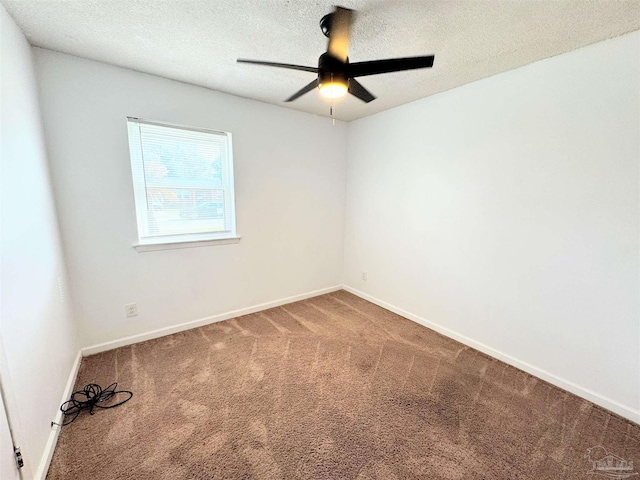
[150,247]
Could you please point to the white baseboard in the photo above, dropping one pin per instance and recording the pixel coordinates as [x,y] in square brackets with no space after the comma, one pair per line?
[612,405]
[161,332]
[50,446]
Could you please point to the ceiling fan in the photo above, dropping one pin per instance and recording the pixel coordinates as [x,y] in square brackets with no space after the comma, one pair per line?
[336,75]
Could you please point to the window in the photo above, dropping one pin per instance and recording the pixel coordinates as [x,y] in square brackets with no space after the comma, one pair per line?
[183,184]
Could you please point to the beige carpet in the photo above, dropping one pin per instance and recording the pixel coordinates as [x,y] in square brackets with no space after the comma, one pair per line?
[332,387]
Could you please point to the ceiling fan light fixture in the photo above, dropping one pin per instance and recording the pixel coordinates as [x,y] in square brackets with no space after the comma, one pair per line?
[333,89]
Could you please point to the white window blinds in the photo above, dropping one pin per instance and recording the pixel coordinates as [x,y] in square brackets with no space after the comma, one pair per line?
[182,181]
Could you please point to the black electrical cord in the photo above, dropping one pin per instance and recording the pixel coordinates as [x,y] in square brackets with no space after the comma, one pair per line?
[90,397]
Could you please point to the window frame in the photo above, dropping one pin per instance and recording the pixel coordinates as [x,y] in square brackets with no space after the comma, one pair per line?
[184,240]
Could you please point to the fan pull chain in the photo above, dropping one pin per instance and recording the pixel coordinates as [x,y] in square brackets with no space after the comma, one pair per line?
[332,111]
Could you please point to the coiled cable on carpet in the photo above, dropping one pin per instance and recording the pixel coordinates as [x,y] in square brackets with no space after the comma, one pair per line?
[90,397]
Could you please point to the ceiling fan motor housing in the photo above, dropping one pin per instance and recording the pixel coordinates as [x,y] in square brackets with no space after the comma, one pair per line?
[331,70]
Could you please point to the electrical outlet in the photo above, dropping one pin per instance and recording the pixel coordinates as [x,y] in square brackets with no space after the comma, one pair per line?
[364,276]
[131,309]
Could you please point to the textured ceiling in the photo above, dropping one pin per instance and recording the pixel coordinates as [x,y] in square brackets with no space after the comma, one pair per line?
[198,41]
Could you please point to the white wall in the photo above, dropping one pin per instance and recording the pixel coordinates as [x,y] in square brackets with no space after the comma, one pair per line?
[507,211]
[36,326]
[290,172]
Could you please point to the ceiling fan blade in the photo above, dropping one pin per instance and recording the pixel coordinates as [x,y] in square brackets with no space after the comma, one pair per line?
[280,65]
[341,20]
[303,90]
[357,90]
[361,69]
